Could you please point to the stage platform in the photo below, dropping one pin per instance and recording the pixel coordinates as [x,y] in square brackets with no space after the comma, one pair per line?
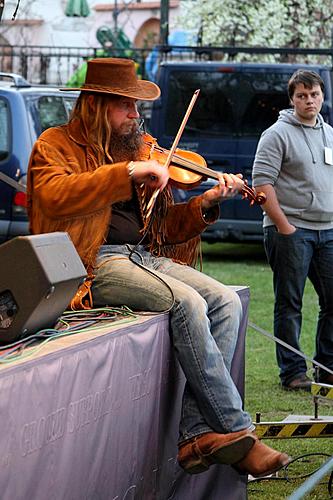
[94,416]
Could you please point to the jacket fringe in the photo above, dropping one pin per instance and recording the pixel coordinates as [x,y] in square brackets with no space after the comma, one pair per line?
[188,253]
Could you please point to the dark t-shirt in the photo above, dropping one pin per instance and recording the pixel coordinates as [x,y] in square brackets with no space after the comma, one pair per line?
[125,223]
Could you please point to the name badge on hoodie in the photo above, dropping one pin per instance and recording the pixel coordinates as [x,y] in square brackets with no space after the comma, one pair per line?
[328,156]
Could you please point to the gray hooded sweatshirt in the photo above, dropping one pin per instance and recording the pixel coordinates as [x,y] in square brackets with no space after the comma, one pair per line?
[290,157]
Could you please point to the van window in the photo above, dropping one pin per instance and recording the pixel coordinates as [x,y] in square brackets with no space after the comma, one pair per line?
[4,129]
[242,104]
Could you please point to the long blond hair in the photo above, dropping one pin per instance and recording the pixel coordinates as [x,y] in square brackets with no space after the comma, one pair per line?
[95,124]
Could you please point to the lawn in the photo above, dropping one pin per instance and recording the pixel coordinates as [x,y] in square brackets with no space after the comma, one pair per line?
[245,264]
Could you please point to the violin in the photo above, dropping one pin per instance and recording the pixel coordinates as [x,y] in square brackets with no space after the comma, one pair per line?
[188,169]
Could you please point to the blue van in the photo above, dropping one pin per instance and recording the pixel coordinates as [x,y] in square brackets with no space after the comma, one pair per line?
[237,101]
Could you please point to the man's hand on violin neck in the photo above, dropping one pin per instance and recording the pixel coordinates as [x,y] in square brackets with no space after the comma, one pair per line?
[151,173]
[228,186]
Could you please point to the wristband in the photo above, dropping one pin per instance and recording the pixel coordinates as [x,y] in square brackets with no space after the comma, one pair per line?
[131,168]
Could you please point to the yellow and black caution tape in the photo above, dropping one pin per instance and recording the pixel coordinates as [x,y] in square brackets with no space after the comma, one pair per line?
[322,390]
[297,429]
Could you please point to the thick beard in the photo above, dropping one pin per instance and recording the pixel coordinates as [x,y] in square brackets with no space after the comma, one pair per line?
[126,147]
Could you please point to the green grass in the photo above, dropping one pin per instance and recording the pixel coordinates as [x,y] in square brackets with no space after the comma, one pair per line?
[245,264]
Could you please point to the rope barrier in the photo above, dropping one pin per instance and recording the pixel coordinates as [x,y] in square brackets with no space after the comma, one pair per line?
[312,481]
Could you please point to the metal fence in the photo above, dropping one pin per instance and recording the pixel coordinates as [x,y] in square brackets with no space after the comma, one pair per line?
[57,65]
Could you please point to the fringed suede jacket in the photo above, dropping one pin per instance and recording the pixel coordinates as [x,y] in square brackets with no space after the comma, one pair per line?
[69,191]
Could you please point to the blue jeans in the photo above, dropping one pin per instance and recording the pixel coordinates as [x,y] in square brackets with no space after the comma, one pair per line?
[293,258]
[204,321]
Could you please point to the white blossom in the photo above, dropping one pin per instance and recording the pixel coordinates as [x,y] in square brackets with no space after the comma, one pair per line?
[261,23]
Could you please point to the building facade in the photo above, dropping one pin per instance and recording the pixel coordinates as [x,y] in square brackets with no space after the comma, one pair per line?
[45,23]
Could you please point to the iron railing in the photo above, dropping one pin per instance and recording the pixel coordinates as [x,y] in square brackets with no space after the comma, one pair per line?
[56,65]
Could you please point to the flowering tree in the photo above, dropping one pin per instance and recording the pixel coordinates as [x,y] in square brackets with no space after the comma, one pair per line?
[309,23]
[264,23]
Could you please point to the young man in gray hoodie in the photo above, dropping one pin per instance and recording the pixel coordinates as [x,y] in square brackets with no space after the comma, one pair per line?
[294,168]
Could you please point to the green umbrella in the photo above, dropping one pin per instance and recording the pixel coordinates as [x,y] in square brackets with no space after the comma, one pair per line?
[77,8]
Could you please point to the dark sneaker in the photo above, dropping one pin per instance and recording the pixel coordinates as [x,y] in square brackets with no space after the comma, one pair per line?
[326,378]
[301,383]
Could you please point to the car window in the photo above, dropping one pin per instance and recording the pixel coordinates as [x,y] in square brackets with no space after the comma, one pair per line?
[52,111]
[46,111]
[4,129]
[69,104]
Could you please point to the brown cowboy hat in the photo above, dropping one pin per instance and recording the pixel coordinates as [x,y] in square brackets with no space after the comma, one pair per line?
[113,75]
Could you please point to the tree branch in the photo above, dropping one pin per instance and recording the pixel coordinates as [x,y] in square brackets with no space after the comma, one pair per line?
[16,9]
[2,4]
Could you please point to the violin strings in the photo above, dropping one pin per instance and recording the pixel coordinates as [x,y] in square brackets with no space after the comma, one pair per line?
[246,191]
[190,164]
[194,166]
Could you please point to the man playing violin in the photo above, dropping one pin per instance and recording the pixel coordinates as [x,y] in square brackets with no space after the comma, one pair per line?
[93,178]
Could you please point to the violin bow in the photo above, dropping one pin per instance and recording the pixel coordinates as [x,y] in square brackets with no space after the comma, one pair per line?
[175,143]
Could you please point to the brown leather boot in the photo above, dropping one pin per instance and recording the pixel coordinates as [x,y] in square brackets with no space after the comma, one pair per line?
[197,454]
[262,461]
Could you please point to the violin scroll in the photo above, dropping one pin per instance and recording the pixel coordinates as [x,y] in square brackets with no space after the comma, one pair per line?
[252,195]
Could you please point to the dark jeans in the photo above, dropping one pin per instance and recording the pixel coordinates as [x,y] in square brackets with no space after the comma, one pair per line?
[293,258]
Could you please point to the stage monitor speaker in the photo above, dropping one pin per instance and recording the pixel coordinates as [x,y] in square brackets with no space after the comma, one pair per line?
[39,275]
